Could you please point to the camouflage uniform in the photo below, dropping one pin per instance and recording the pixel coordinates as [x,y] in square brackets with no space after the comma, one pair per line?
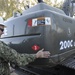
[8,54]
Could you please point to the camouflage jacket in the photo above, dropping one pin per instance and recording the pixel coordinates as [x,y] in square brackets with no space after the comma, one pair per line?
[8,54]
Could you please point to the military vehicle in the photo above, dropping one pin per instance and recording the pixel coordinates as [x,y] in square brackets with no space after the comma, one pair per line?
[43,26]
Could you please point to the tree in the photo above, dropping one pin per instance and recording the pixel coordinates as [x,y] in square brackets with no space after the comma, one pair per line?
[8,6]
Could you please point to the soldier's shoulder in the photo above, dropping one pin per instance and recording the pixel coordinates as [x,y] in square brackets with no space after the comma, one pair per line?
[1,42]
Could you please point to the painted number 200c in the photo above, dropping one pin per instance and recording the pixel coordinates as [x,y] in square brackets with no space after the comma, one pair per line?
[66,44]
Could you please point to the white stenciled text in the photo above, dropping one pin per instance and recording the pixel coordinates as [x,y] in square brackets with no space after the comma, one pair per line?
[66,44]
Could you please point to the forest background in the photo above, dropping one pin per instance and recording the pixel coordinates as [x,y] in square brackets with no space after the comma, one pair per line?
[7,7]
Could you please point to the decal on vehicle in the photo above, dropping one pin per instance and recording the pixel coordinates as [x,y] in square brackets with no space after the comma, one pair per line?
[39,21]
[66,44]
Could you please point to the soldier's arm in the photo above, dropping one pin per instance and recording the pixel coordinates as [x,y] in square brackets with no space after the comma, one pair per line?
[10,55]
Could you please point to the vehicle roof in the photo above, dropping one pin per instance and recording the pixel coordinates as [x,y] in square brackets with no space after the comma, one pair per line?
[41,6]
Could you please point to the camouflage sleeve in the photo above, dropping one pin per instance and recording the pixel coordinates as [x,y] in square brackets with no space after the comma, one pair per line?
[10,55]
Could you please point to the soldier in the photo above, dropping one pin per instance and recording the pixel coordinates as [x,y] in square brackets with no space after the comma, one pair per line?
[8,55]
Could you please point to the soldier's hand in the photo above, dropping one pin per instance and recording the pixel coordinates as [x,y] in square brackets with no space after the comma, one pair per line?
[42,54]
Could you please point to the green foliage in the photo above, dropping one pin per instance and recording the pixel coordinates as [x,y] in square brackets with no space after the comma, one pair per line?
[7,7]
